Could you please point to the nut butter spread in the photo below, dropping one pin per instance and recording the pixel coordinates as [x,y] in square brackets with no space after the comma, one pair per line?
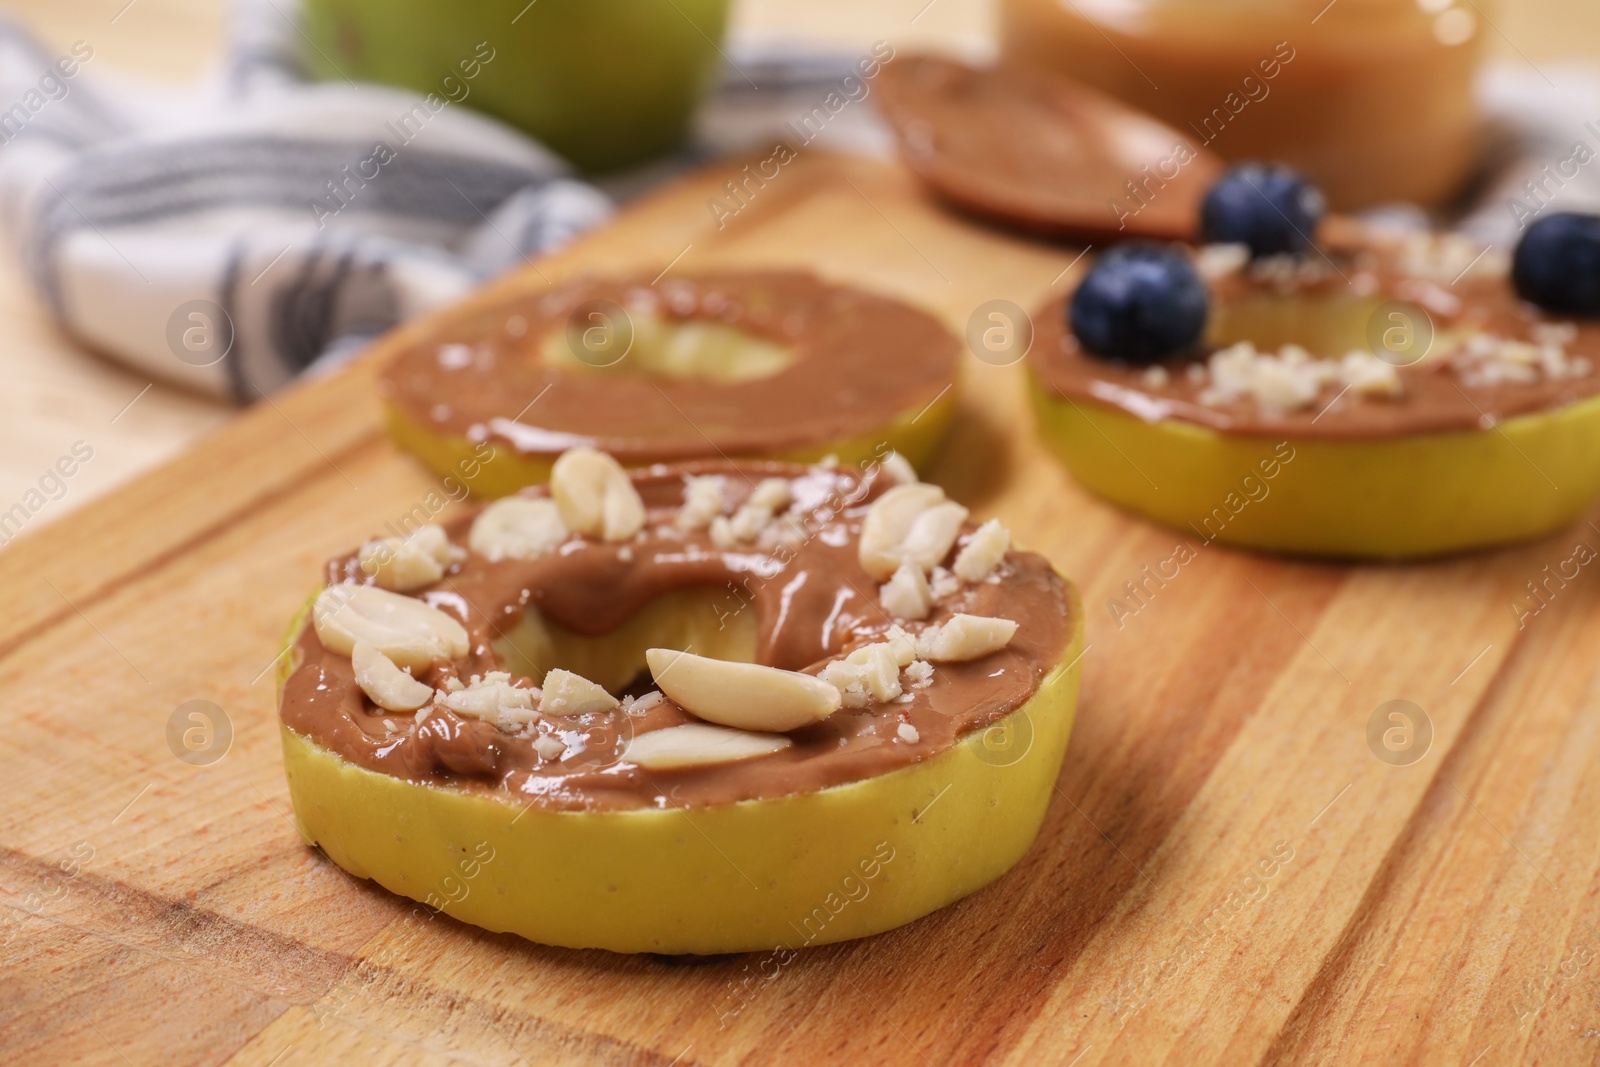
[1492,356]
[810,600]
[847,363]
[1042,153]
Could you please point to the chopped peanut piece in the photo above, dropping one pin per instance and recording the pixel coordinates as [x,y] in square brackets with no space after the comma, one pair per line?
[702,501]
[493,699]
[889,522]
[595,495]
[965,637]
[869,674]
[748,696]
[983,551]
[931,535]
[402,564]
[902,644]
[643,705]
[881,672]
[517,527]
[906,595]
[772,494]
[850,679]
[1216,261]
[389,687]
[1367,374]
[920,674]
[698,745]
[408,631]
[899,469]
[566,693]
[943,583]
[748,522]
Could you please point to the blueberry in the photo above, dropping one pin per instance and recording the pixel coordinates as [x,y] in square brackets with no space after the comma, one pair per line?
[1138,303]
[1557,263]
[1270,208]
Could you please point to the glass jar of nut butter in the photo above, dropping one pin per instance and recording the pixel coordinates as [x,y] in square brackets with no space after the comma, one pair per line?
[1372,98]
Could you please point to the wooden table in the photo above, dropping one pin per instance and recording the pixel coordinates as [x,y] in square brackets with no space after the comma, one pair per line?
[1235,869]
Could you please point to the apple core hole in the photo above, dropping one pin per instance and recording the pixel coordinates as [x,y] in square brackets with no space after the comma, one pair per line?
[706,620]
[679,350]
[1327,326]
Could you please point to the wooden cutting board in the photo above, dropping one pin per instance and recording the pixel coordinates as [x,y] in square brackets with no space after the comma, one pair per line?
[1228,874]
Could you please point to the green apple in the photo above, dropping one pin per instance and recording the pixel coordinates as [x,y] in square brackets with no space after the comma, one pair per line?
[604,83]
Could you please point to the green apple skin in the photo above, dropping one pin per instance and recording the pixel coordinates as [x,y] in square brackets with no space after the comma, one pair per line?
[604,83]
[1411,496]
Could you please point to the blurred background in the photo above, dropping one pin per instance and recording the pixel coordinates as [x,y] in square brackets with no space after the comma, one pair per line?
[57,392]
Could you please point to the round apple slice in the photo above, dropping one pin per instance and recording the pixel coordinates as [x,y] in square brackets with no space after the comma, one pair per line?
[769,363]
[802,727]
[1295,427]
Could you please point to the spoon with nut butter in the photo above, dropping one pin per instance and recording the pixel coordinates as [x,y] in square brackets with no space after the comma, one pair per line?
[1037,152]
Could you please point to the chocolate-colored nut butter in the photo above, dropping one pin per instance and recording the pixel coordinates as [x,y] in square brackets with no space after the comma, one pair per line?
[811,601]
[858,361]
[1039,152]
[1435,396]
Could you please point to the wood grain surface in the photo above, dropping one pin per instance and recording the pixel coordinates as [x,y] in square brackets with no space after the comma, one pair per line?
[1228,874]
